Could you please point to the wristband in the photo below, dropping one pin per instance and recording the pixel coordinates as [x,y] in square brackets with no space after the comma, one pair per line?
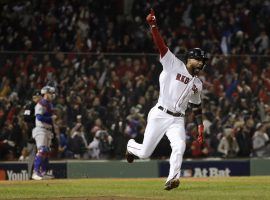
[201,128]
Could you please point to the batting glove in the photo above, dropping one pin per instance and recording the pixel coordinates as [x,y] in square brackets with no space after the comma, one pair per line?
[151,19]
[200,137]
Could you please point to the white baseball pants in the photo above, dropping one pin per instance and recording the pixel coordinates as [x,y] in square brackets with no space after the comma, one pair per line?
[158,124]
[42,137]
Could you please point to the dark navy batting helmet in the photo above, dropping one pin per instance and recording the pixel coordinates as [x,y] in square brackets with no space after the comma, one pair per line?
[197,54]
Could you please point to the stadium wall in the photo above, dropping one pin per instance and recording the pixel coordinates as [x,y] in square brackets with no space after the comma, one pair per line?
[140,169]
[260,167]
[112,169]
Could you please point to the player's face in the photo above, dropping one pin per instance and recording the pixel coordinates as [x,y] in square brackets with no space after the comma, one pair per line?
[195,65]
[50,96]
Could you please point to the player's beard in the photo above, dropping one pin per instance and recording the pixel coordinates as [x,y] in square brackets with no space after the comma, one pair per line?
[196,71]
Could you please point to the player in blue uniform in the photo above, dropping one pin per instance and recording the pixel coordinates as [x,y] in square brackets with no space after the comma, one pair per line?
[43,133]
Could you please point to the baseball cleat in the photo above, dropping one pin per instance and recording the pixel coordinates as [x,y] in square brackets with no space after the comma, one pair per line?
[171,184]
[129,157]
[37,176]
[47,176]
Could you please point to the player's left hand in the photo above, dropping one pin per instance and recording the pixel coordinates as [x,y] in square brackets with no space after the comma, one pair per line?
[200,137]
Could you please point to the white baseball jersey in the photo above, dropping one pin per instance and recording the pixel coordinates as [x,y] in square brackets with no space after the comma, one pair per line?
[177,86]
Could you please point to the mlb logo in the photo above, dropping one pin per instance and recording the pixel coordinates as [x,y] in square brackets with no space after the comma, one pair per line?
[2,174]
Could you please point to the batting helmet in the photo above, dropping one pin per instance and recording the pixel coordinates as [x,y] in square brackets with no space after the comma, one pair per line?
[197,54]
[47,89]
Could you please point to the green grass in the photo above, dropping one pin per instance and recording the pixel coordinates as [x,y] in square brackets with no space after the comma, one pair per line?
[231,188]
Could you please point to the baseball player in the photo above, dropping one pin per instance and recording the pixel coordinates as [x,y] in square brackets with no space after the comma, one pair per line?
[42,133]
[29,118]
[179,86]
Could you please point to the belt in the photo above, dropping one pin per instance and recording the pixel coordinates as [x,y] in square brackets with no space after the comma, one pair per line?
[170,112]
[48,129]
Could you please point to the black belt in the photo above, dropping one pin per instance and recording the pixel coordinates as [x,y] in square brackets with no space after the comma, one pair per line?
[171,113]
[48,129]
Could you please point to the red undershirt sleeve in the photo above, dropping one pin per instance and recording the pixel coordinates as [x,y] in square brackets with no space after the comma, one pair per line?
[159,42]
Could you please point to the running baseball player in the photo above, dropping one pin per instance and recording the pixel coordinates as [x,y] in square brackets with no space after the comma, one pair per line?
[42,133]
[29,118]
[179,86]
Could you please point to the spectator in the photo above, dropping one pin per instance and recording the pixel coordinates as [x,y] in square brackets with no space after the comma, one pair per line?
[262,43]
[243,138]
[105,145]
[260,141]
[228,146]
[8,139]
[199,150]
[135,122]
[94,146]
[64,149]
[78,144]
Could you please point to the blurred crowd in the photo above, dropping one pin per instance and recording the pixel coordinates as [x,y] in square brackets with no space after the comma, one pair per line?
[103,99]
[218,26]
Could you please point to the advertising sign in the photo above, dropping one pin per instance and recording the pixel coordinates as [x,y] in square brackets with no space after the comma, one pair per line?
[209,168]
[15,171]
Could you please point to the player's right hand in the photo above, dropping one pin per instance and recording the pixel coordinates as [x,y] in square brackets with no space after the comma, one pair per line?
[200,137]
[151,18]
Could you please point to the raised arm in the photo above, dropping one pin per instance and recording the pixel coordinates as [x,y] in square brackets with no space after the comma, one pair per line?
[159,42]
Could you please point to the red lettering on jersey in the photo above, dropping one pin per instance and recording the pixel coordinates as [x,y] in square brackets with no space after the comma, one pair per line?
[182,78]
[187,80]
[178,77]
[195,89]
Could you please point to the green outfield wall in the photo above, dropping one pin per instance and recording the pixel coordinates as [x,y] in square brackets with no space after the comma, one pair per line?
[259,166]
[115,169]
[158,168]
